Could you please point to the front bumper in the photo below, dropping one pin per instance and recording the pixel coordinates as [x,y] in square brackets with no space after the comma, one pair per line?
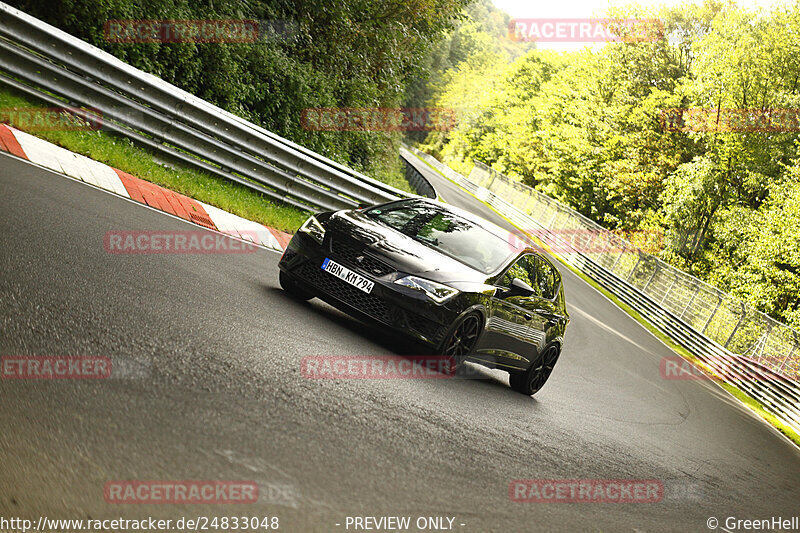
[405,310]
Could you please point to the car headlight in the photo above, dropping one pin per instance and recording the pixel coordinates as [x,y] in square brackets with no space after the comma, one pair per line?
[313,229]
[438,292]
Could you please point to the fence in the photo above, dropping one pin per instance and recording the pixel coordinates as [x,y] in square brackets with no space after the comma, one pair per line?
[747,348]
[722,318]
[57,68]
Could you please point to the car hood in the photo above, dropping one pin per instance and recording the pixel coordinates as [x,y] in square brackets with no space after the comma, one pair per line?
[401,251]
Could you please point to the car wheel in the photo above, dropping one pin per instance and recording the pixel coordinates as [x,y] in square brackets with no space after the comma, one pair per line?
[461,341]
[291,287]
[529,382]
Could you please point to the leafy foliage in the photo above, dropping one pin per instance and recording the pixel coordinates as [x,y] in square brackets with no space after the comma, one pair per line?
[586,127]
[331,54]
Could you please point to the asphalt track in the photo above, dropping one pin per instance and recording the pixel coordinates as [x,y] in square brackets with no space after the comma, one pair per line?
[214,392]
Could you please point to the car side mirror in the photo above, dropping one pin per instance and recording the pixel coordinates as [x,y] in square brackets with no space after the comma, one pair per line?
[519,288]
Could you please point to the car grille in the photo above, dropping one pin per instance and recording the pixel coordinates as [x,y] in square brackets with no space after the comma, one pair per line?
[425,327]
[366,303]
[356,258]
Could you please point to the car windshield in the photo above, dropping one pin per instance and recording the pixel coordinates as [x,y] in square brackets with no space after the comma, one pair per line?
[446,232]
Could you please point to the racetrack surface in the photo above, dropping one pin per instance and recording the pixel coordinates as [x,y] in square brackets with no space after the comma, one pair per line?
[219,396]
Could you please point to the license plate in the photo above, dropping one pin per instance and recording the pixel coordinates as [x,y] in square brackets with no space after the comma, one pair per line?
[347,275]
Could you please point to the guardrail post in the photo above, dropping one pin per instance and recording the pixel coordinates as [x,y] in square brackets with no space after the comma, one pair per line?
[624,247]
[589,243]
[739,323]
[691,300]
[789,356]
[714,312]
[666,293]
[492,175]
[527,203]
[634,268]
[550,224]
[761,343]
[653,275]
[605,246]
[541,208]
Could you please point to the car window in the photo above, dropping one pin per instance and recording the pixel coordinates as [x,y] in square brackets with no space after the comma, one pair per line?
[397,218]
[545,278]
[523,269]
[536,272]
[446,232]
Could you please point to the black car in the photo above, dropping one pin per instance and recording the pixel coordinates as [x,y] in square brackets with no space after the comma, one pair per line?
[451,280]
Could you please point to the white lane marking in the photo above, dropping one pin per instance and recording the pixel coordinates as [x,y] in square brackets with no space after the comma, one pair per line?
[103,176]
[106,176]
[238,226]
[221,219]
[276,248]
[74,165]
[608,328]
[38,151]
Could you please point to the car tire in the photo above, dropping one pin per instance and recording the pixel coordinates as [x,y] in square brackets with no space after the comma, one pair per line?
[292,288]
[532,380]
[461,341]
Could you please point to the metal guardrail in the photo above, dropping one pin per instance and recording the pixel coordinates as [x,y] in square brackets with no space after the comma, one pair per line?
[60,69]
[57,68]
[719,316]
[773,384]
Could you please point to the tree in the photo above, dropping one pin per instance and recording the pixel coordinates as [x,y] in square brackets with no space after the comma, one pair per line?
[588,128]
[360,53]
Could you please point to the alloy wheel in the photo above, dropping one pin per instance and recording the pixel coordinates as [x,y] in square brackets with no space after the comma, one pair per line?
[462,341]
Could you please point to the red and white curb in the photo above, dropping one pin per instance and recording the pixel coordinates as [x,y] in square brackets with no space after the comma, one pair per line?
[82,168]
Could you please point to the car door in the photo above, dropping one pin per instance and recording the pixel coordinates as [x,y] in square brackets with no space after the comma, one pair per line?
[509,341]
[542,306]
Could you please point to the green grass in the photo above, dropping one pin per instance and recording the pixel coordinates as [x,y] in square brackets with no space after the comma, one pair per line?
[737,393]
[121,153]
